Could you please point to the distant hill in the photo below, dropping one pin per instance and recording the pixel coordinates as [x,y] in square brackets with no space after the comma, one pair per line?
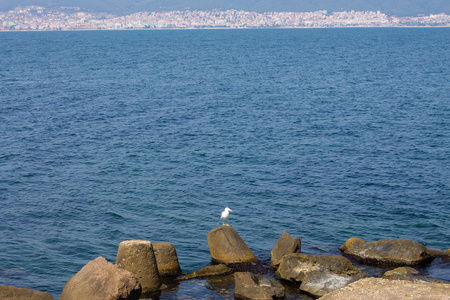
[123,7]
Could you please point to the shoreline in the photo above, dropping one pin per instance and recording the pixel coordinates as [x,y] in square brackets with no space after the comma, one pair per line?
[219,28]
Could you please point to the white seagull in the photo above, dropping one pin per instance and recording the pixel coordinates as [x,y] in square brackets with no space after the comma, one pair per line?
[225,215]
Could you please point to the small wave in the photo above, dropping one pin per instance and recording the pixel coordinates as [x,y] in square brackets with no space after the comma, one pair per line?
[115,215]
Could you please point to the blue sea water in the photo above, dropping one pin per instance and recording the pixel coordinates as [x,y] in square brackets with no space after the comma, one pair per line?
[326,134]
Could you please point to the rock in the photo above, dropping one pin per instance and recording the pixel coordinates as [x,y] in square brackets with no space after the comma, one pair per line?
[378,288]
[255,286]
[436,252]
[99,280]
[386,252]
[166,259]
[284,245]
[15,293]
[208,271]
[408,273]
[226,246]
[448,252]
[255,267]
[318,274]
[137,256]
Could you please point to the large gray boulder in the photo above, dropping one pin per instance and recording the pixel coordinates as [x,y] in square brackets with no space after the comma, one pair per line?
[318,274]
[100,280]
[137,256]
[285,244]
[208,271]
[166,259]
[15,293]
[378,288]
[386,252]
[255,286]
[226,246]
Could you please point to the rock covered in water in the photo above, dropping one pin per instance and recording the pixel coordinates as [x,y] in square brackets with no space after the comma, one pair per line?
[285,244]
[99,280]
[386,252]
[166,259]
[378,288]
[408,273]
[14,293]
[318,274]
[137,256]
[208,271]
[226,246]
[255,286]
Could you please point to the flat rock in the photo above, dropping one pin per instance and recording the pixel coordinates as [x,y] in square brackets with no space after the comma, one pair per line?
[208,271]
[378,288]
[318,274]
[100,280]
[166,259]
[408,273]
[14,293]
[285,244]
[226,246]
[255,286]
[386,252]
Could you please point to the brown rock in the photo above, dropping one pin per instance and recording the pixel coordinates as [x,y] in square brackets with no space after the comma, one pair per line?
[14,293]
[318,274]
[255,286]
[408,273]
[352,243]
[137,256]
[284,245]
[436,252]
[166,259]
[378,288]
[208,271]
[387,252]
[226,246]
[100,280]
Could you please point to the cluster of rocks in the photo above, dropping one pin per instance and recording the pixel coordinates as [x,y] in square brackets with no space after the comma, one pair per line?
[140,266]
[323,275]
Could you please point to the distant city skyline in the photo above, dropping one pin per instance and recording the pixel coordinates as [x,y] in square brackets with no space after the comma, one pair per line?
[74,18]
[127,7]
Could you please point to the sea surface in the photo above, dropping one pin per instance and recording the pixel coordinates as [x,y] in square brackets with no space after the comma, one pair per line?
[327,134]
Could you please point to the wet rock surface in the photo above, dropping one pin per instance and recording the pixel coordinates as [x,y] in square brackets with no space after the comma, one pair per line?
[15,293]
[387,252]
[256,286]
[208,271]
[99,280]
[318,274]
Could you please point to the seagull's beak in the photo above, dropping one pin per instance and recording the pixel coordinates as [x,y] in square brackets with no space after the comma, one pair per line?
[230,210]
